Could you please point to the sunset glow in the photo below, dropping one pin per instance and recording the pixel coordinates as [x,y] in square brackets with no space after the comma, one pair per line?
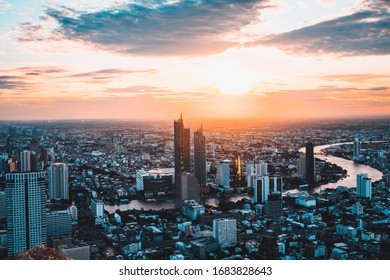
[119,59]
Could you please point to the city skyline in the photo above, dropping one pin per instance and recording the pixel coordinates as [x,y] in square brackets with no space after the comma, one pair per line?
[212,59]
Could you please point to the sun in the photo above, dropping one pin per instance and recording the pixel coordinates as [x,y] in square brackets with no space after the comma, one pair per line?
[229,77]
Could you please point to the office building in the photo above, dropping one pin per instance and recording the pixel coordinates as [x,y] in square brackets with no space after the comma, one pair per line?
[188,189]
[301,166]
[3,162]
[250,174]
[193,209]
[73,211]
[3,205]
[59,223]
[97,207]
[273,206]
[155,183]
[182,150]
[261,189]
[310,164]
[277,184]
[363,185]
[58,181]
[25,161]
[261,168]
[225,231]
[223,174]
[200,156]
[26,211]
[46,155]
[356,149]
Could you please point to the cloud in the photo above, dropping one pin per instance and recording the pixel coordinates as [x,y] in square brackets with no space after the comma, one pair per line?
[4,6]
[107,74]
[364,32]
[357,78]
[158,93]
[186,27]
[12,83]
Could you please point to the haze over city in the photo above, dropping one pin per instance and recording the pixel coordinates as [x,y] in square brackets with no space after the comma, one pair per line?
[208,58]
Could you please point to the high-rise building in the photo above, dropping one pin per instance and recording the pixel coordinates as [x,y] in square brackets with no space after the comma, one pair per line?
[238,166]
[223,174]
[310,168]
[363,185]
[58,181]
[225,231]
[356,149]
[250,174]
[182,150]
[301,166]
[25,161]
[261,189]
[3,162]
[3,205]
[46,155]
[97,207]
[188,189]
[261,168]
[26,210]
[200,156]
[59,223]
[274,206]
[277,183]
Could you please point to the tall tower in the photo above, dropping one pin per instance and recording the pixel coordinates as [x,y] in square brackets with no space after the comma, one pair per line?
[356,149]
[309,163]
[223,174]
[25,161]
[200,156]
[363,185]
[261,189]
[26,210]
[58,181]
[182,154]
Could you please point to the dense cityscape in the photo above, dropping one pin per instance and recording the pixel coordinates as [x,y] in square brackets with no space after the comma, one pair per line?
[195,189]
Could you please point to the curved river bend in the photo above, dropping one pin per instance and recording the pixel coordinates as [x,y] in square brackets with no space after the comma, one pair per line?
[349,181]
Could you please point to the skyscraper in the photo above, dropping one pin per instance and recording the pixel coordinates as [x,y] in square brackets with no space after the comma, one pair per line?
[182,154]
[310,163]
[261,168]
[363,185]
[25,161]
[301,166]
[200,156]
[261,189]
[356,149]
[225,231]
[223,174]
[189,189]
[26,211]
[58,181]
[277,183]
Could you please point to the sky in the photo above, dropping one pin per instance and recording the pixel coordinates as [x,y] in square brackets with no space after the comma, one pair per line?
[264,59]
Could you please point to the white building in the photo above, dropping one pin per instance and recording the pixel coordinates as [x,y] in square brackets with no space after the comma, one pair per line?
[356,149]
[26,211]
[25,161]
[225,231]
[363,185]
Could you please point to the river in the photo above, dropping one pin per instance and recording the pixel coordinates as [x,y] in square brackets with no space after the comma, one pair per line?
[349,181]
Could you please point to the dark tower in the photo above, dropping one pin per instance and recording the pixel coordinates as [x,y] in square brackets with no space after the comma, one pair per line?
[309,163]
[200,156]
[182,154]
